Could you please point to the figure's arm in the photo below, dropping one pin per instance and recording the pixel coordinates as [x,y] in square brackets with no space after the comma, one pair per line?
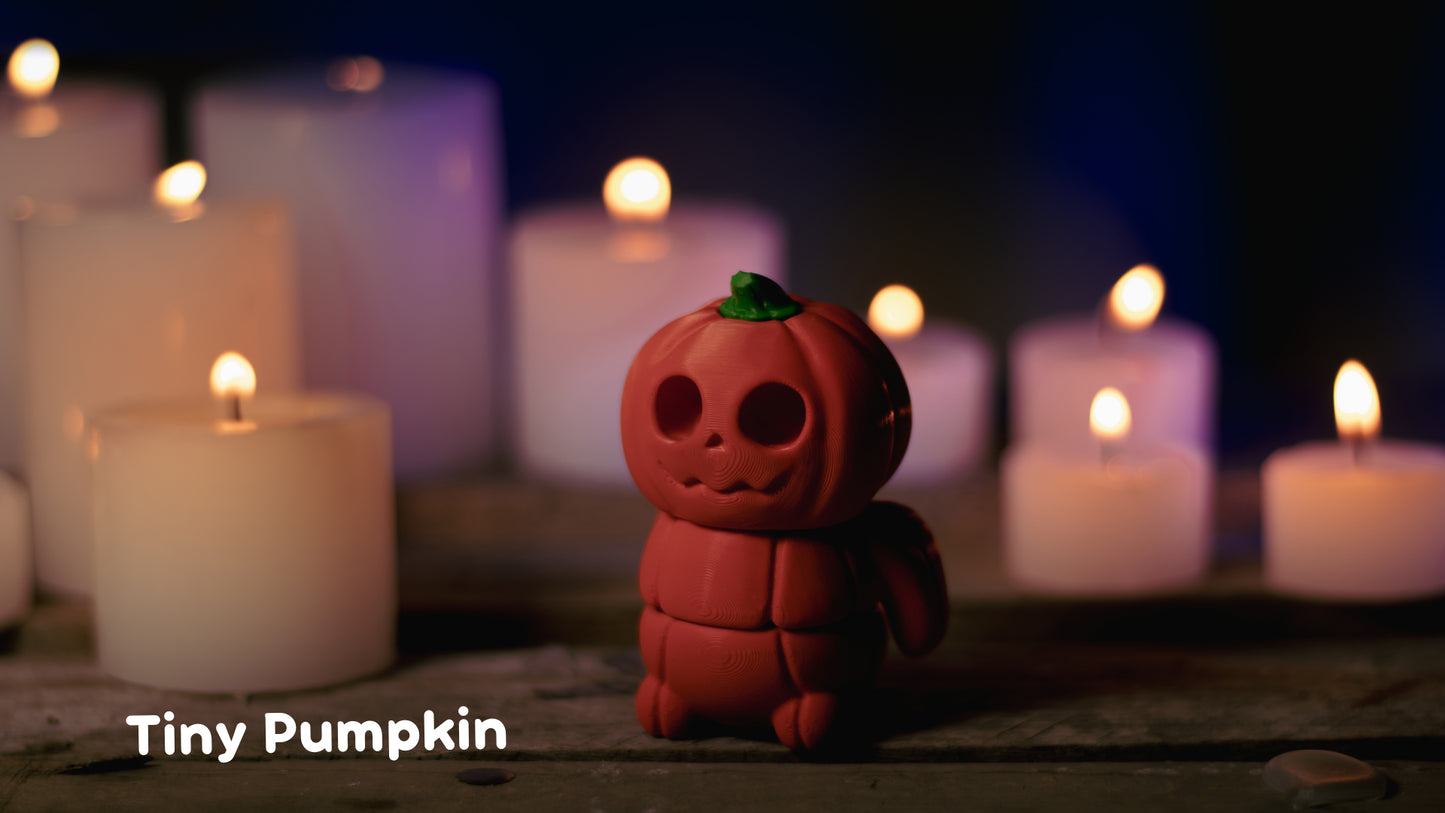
[649,572]
[910,576]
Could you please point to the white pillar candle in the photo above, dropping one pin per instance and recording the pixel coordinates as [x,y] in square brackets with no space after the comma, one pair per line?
[1112,523]
[590,289]
[124,304]
[245,556]
[949,372]
[1360,519]
[83,142]
[1165,369]
[395,183]
[15,564]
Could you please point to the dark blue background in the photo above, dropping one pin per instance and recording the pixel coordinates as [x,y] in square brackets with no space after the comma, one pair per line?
[1284,170]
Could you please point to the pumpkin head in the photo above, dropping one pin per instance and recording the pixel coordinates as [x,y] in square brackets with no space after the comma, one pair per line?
[764,412]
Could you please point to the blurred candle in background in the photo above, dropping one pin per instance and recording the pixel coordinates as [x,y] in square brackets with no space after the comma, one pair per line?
[125,303]
[1110,521]
[16,567]
[83,142]
[1357,519]
[1166,369]
[949,372]
[591,286]
[395,181]
[244,544]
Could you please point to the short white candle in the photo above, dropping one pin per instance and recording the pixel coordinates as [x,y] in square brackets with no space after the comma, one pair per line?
[1120,522]
[949,372]
[591,288]
[15,564]
[1166,369]
[394,179]
[245,556]
[82,142]
[124,304]
[1361,519]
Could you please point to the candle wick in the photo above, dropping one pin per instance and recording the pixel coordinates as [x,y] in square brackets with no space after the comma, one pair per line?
[1107,451]
[1358,449]
[235,405]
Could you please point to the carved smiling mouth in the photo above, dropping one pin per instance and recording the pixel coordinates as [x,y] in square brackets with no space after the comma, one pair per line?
[730,493]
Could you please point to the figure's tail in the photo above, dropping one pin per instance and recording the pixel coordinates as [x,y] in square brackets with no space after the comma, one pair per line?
[910,576]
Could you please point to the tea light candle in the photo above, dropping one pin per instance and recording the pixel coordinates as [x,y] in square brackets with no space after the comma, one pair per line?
[244,555]
[949,373]
[1360,519]
[590,287]
[123,304]
[1166,369]
[394,179]
[15,565]
[1123,522]
[79,142]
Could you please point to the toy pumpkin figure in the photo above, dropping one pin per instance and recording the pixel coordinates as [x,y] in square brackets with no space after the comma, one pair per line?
[761,426]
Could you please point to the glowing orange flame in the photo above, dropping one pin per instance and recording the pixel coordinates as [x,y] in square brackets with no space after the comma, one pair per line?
[33,68]
[1357,403]
[896,312]
[1109,416]
[637,190]
[1135,300]
[232,376]
[180,185]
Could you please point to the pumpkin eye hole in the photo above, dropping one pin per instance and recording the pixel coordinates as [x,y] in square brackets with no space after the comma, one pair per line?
[772,414]
[678,406]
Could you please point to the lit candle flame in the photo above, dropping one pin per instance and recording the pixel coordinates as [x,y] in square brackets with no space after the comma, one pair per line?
[637,190]
[895,312]
[33,68]
[180,185]
[1357,403]
[232,377]
[1109,416]
[1136,298]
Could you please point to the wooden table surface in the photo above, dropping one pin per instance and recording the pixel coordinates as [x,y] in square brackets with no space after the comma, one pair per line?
[519,602]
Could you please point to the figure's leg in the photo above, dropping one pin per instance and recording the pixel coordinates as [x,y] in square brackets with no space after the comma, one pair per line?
[832,668]
[662,712]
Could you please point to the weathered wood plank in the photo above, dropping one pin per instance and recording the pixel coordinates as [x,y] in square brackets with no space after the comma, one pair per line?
[972,701]
[1227,787]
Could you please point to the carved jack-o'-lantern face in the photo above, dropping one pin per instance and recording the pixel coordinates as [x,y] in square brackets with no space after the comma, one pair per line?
[789,416]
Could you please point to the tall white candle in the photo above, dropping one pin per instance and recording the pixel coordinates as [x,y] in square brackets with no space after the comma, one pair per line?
[124,304]
[15,564]
[245,555]
[395,183]
[1361,519]
[591,287]
[80,143]
[1114,522]
[949,372]
[1165,369]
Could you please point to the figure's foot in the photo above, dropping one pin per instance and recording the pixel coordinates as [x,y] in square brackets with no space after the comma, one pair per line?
[808,722]
[662,712]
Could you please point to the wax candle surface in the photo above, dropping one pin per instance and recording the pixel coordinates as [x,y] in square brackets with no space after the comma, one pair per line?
[84,143]
[1167,372]
[589,293]
[1078,525]
[949,371]
[245,557]
[1372,531]
[127,304]
[15,564]
[396,195]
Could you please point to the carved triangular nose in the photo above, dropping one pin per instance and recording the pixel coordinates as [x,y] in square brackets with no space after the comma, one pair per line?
[713,440]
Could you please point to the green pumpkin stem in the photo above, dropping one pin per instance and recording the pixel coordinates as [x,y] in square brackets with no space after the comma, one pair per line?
[758,299]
